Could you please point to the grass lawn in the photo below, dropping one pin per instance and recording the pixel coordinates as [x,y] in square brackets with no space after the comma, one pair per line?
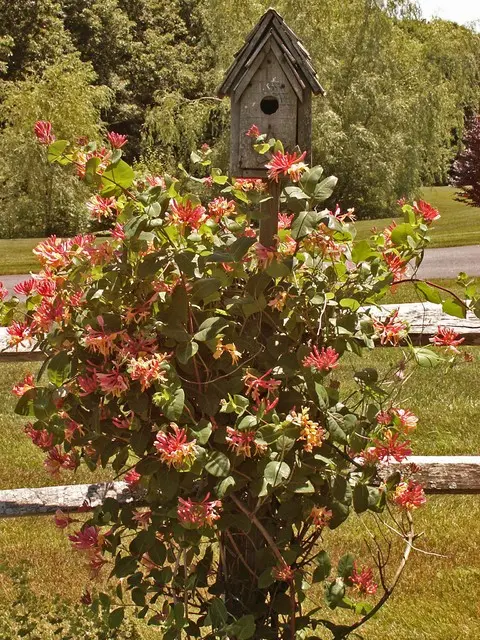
[430,604]
[16,256]
[458,226]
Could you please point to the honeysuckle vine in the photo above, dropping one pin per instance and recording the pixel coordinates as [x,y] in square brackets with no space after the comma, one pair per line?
[201,366]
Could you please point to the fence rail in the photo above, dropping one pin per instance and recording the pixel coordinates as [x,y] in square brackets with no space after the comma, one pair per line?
[423,318]
[439,474]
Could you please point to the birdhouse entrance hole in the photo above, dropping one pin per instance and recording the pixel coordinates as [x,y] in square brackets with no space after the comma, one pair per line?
[269,105]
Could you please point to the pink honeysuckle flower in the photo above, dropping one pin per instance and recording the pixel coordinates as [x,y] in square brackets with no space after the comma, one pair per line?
[446,337]
[285,221]
[22,387]
[143,517]
[428,213]
[53,252]
[250,184]
[174,448]
[46,287]
[58,459]
[260,387]
[349,215]
[156,181]
[363,581]
[117,140]
[198,514]
[113,382]
[102,208]
[148,370]
[283,573]
[287,164]
[320,517]
[87,539]
[132,478]
[102,341]
[25,288]
[18,332]
[123,422]
[288,246]
[208,181]
[62,520]
[189,214]
[3,292]
[409,495]
[391,447]
[253,132]
[41,438]
[264,255]
[408,420]
[87,384]
[311,431]
[48,312]
[221,207]
[324,360]
[118,232]
[243,443]
[43,132]
[391,330]
[396,265]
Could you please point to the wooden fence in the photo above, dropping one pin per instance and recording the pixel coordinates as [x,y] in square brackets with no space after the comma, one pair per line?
[439,474]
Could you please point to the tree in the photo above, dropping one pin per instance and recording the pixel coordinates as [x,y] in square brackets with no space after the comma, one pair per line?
[466,168]
[39,201]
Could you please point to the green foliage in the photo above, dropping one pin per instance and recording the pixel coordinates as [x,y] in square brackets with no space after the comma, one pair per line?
[43,200]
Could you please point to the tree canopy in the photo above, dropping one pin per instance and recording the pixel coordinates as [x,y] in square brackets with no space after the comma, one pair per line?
[398,88]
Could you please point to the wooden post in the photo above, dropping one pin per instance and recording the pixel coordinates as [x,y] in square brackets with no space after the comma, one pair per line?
[269,224]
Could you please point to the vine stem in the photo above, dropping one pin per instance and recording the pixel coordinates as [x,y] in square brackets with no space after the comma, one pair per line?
[435,286]
[409,538]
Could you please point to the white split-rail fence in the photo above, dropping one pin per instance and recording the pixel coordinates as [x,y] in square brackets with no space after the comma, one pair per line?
[438,474]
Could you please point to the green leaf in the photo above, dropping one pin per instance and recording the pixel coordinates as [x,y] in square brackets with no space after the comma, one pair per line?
[324,189]
[324,566]
[186,351]
[174,409]
[362,251]
[310,180]
[116,178]
[224,486]
[115,618]
[401,233]
[243,628]
[204,288]
[305,223]
[266,579]
[218,464]
[425,357]
[56,149]
[334,593]
[431,294]
[454,308]
[210,328]
[59,368]
[217,613]
[349,303]
[276,472]
[322,395]
[360,498]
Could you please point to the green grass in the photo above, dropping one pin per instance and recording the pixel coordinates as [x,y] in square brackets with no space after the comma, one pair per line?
[433,600]
[459,224]
[16,256]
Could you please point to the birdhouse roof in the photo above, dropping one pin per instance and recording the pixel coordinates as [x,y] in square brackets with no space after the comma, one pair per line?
[295,59]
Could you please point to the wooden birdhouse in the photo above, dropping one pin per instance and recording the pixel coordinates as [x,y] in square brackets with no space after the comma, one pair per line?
[270,84]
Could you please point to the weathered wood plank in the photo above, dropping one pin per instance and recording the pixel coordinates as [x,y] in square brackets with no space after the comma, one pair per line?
[446,474]
[438,474]
[424,319]
[46,500]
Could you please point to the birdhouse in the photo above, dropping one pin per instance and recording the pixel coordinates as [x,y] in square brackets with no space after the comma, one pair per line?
[270,84]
